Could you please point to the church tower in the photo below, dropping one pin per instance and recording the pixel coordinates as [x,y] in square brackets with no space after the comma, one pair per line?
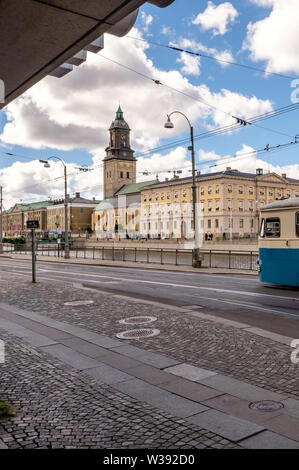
[119,163]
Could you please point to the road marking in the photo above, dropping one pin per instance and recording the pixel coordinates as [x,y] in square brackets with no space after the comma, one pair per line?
[169,284]
[254,306]
[177,273]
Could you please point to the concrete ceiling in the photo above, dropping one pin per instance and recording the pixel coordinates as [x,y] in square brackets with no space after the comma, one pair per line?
[37,36]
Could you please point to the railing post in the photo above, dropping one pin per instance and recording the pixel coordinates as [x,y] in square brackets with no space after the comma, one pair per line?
[84,252]
[161,255]
[176,256]
[210,258]
[102,252]
[93,252]
[76,252]
[124,254]
[135,254]
[251,261]
[147,255]
[229,259]
[113,253]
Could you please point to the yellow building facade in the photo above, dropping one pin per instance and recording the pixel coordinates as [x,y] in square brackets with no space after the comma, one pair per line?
[228,204]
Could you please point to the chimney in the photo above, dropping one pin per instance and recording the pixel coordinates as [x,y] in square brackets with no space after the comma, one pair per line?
[259,171]
[284,175]
[77,195]
[198,173]
[166,179]
[228,168]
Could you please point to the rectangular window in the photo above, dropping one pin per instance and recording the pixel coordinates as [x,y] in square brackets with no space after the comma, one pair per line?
[121,174]
[250,190]
[297,224]
[209,223]
[217,189]
[217,204]
[209,205]
[272,228]
[216,223]
[128,175]
[241,223]
[229,188]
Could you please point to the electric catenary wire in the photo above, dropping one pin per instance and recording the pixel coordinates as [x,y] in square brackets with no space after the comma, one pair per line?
[206,56]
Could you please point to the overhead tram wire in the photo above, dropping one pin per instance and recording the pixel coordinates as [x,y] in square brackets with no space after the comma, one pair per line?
[220,161]
[241,121]
[206,56]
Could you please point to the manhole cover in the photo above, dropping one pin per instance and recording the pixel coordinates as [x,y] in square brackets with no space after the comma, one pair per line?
[137,320]
[266,405]
[138,333]
[79,302]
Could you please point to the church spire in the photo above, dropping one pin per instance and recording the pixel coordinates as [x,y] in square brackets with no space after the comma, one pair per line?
[119,113]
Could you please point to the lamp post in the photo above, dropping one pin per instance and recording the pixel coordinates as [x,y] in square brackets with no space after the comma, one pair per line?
[196,252]
[66,222]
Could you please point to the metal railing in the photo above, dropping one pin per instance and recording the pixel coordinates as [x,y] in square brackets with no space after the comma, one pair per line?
[228,259]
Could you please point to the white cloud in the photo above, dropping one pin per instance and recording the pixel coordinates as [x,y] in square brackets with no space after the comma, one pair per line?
[217,17]
[275,39]
[146,21]
[191,64]
[76,111]
[198,47]
[263,3]
[245,160]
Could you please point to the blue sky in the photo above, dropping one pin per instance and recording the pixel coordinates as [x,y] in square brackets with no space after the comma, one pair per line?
[69,117]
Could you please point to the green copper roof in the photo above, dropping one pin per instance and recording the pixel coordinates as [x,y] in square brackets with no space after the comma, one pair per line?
[133,188]
[119,113]
[32,205]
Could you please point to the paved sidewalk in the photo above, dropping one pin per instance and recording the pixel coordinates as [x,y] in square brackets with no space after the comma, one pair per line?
[74,384]
[127,264]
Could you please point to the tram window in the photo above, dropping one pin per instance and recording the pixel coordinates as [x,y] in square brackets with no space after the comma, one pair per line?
[272,228]
[262,229]
[297,224]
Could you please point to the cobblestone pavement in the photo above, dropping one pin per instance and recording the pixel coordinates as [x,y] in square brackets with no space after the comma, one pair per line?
[204,343]
[59,407]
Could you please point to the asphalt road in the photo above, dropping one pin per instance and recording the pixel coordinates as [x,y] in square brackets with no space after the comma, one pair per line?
[237,297]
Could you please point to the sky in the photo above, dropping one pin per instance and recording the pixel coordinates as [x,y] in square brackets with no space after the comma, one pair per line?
[70,117]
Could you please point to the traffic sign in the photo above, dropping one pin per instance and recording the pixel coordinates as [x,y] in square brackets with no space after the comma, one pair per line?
[32,224]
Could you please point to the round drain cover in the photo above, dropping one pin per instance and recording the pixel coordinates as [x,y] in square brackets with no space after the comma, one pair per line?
[137,320]
[79,302]
[266,405]
[138,333]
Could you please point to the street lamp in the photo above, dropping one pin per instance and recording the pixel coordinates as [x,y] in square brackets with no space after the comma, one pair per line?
[196,253]
[66,222]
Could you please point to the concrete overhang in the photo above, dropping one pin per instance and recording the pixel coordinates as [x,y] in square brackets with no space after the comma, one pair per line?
[47,37]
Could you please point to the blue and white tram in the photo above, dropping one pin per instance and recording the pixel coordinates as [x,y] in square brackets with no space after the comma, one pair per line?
[278,261]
